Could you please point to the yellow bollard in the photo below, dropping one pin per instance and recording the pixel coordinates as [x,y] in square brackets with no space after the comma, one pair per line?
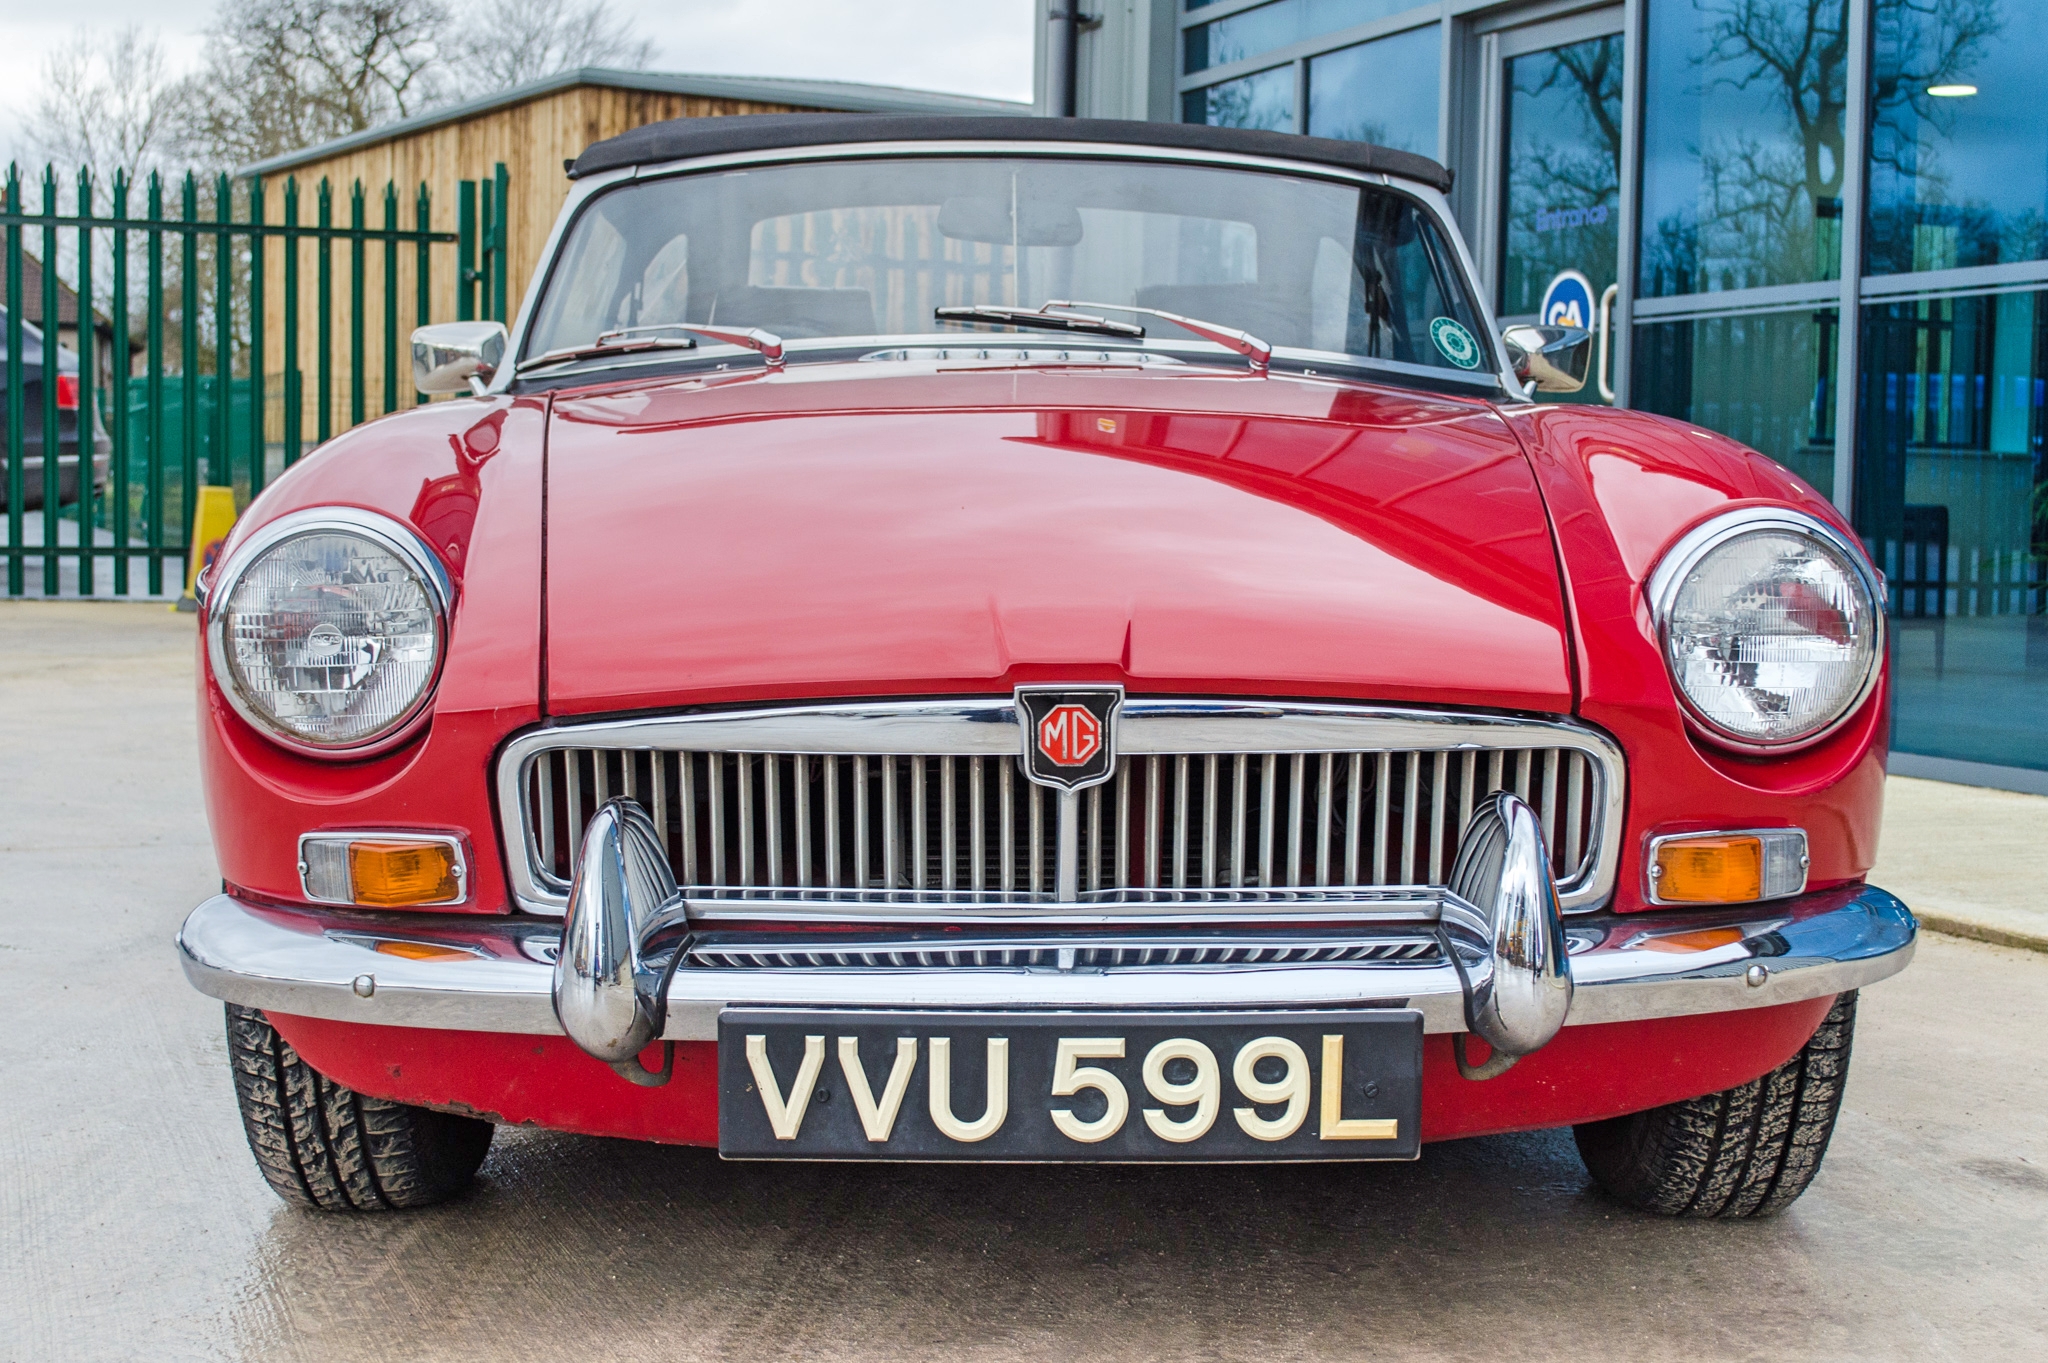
[212,519]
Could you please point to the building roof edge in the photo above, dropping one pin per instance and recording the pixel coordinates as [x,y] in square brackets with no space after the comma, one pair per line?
[834,95]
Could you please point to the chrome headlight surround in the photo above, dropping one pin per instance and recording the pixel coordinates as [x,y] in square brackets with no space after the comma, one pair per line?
[1693,548]
[382,532]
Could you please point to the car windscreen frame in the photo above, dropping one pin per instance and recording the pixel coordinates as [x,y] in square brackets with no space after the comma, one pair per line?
[1491,378]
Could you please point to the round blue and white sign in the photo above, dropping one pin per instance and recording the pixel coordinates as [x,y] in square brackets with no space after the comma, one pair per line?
[1568,302]
[1455,343]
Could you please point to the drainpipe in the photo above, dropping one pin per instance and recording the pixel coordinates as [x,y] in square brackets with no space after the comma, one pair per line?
[1062,46]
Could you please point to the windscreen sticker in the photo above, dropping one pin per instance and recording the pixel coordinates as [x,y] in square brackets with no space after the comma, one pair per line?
[1455,342]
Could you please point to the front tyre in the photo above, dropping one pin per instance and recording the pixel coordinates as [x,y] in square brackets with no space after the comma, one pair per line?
[1748,1151]
[322,1145]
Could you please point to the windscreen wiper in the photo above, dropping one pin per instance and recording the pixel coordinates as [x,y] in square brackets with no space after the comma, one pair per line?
[1041,320]
[1255,351]
[661,336]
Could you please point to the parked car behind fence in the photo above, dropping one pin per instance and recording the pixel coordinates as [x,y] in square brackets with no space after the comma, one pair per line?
[32,483]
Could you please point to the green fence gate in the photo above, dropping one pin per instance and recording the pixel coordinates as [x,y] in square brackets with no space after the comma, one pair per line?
[216,340]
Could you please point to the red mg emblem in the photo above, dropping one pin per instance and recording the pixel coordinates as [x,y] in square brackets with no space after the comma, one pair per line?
[1069,735]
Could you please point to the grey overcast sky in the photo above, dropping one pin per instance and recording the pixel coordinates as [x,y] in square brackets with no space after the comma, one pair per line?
[976,47]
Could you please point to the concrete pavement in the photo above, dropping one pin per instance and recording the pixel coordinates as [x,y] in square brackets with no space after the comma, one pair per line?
[1971,862]
[133,1224]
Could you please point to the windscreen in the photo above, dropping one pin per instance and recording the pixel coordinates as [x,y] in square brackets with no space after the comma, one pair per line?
[866,249]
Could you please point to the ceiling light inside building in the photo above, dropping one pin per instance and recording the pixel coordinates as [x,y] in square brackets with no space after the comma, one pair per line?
[1951,91]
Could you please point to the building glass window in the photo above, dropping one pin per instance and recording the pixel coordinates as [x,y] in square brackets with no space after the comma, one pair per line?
[1383,92]
[1742,144]
[1959,149]
[1264,100]
[1244,35]
[1562,170]
[1952,499]
[1764,379]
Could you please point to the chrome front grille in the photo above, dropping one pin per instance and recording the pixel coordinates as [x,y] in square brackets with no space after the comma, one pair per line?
[1213,803]
[1209,821]
[783,952]
[736,821]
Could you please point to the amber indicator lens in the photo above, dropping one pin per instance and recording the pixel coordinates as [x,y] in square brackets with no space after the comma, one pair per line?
[1728,867]
[421,951]
[391,874]
[1719,870]
[1705,939]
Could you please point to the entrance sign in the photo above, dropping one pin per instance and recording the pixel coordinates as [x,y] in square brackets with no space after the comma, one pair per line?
[1568,302]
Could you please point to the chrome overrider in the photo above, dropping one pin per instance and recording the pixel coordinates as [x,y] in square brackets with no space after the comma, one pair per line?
[618,974]
[609,996]
[1505,930]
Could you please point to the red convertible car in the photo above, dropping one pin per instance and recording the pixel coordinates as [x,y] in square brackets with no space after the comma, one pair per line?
[990,639]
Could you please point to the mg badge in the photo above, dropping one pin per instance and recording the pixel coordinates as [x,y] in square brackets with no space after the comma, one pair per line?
[1069,733]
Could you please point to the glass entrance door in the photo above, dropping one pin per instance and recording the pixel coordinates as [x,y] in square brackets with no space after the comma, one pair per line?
[1555,106]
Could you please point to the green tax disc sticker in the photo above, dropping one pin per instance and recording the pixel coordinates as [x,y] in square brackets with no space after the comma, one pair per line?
[1455,342]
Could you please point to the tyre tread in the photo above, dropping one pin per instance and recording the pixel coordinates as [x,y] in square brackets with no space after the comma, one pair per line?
[1748,1151]
[321,1144]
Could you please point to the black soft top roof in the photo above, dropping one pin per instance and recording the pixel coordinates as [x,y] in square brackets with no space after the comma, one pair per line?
[686,137]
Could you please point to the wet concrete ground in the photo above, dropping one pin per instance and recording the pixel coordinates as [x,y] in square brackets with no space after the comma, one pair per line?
[1971,860]
[133,1224]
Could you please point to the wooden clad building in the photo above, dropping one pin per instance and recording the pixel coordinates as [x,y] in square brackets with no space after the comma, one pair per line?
[531,130]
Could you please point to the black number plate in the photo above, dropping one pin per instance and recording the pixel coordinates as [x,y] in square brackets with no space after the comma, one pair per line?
[1069,1086]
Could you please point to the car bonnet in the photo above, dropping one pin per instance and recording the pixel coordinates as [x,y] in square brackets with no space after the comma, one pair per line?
[840,530]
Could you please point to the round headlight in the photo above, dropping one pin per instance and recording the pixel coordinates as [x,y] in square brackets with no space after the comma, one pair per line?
[328,629]
[1771,626]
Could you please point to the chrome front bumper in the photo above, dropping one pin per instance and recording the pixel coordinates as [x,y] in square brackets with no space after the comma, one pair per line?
[497,974]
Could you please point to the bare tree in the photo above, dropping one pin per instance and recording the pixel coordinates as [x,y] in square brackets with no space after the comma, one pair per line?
[1928,43]
[108,103]
[508,43]
[1763,198]
[1923,44]
[1236,105]
[1558,165]
[109,106]
[1794,55]
[284,74]
[1590,74]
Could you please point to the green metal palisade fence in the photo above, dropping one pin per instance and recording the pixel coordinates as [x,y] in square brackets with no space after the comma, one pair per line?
[199,306]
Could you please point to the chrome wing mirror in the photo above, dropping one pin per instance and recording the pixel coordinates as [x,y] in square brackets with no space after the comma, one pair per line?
[456,357]
[1550,359]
